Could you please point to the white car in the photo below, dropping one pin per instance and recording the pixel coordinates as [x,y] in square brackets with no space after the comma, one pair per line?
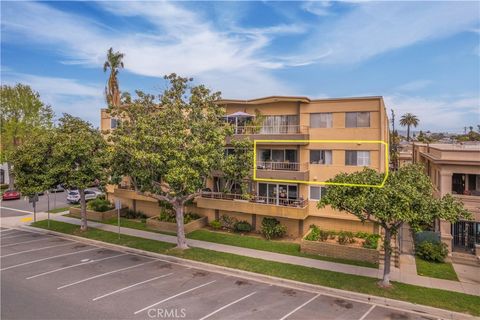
[73,196]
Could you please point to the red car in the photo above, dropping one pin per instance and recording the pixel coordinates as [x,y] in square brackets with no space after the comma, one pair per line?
[11,195]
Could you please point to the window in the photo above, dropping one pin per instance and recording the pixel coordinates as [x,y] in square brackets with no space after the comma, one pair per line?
[357,158]
[316,192]
[357,119]
[280,124]
[228,151]
[113,123]
[321,156]
[320,120]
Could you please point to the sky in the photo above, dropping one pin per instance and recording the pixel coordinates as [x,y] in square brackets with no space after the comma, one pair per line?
[422,57]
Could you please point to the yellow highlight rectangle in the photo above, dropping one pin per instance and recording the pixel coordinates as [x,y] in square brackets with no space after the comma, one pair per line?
[320,182]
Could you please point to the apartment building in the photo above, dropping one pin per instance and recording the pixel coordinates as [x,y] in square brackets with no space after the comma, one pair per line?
[455,169]
[291,160]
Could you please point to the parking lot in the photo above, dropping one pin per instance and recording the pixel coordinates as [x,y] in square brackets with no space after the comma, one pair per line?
[21,207]
[49,277]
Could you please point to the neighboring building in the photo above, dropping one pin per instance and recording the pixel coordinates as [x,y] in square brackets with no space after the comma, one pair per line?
[455,169]
[299,119]
[404,153]
[4,176]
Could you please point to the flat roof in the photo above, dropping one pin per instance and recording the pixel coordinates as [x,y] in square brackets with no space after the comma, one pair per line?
[271,99]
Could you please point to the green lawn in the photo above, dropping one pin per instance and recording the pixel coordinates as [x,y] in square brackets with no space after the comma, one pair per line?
[57,210]
[432,297]
[435,270]
[283,247]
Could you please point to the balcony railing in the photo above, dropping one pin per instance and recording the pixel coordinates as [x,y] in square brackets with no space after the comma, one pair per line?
[282,129]
[298,203]
[283,166]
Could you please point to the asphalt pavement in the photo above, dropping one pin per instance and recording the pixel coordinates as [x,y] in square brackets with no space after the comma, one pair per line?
[21,207]
[49,277]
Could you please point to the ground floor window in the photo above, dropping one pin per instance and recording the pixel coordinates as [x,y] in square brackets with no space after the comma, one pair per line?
[465,235]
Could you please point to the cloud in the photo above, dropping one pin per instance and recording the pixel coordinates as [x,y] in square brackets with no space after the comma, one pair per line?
[414,85]
[447,113]
[319,8]
[63,94]
[373,28]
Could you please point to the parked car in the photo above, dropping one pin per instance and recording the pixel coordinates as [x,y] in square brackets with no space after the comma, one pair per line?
[11,195]
[58,188]
[74,195]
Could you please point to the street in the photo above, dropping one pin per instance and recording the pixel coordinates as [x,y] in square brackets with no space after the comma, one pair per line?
[50,277]
[21,207]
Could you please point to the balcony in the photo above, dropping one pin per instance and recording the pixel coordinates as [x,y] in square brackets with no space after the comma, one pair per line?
[286,208]
[282,170]
[280,132]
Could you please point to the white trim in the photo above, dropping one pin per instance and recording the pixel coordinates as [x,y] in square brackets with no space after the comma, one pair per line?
[32,250]
[368,312]
[16,243]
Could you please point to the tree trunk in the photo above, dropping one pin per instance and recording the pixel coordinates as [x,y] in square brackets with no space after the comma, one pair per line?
[408,133]
[11,182]
[181,241]
[387,247]
[83,210]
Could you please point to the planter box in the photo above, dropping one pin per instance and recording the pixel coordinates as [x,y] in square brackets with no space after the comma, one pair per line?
[339,251]
[95,215]
[156,224]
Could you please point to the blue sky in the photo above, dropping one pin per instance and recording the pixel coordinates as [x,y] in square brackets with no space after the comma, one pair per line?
[423,57]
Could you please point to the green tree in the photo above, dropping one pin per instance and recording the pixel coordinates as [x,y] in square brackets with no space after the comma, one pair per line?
[22,115]
[406,197]
[408,120]
[79,157]
[114,62]
[31,164]
[174,144]
[235,166]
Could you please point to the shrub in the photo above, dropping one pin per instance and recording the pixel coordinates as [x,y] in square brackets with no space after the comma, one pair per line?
[215,224]
[432,251]
[242,226]
[323,235]
[228,222]
[345,237]
[99,205]
[371,241]
[362,235]
[314,234]
[271,228]
[131,214]
[169,216]
[189,217]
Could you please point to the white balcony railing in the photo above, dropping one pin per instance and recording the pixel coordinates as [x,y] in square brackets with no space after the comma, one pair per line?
[282,129]
[298,203]
[282,166]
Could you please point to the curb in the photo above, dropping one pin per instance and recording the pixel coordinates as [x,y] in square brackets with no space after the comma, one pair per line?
[326,291]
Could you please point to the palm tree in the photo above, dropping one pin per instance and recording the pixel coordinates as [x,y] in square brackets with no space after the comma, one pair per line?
[407,120]
[471,128]
[114,63]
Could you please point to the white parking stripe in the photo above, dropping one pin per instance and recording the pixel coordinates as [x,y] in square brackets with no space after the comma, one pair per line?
[104,274]
[14,244]
[48,258]
[38,249]
[299,307]
[75,265]
[170,298]
[130,286]
[16,235]
[228,305]
[366,313]
[5,230]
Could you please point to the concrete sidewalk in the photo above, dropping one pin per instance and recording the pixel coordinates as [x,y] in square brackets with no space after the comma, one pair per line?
[404,275]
